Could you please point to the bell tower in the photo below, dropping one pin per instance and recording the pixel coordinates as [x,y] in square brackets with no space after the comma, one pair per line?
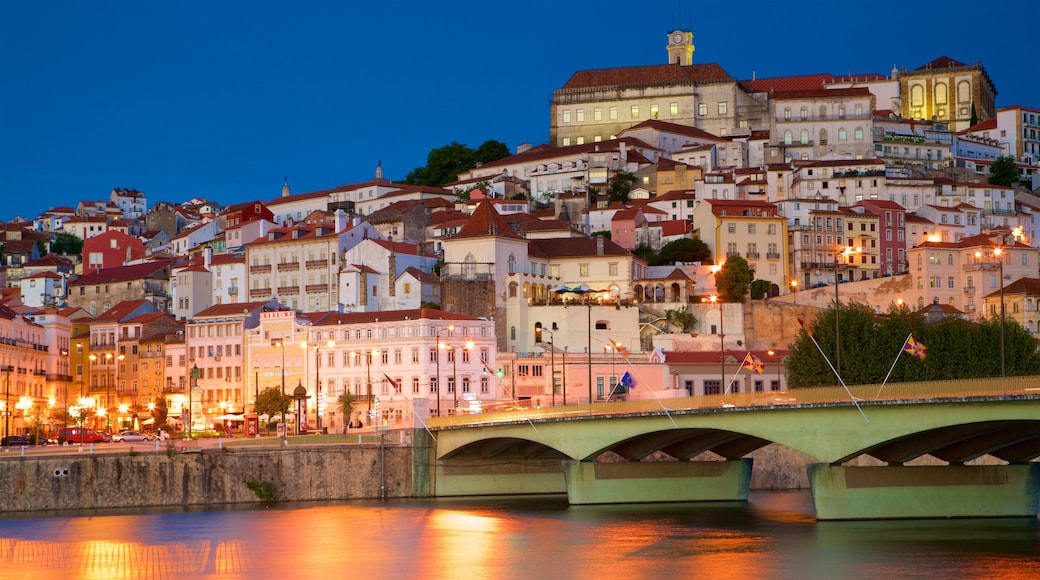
[680,47]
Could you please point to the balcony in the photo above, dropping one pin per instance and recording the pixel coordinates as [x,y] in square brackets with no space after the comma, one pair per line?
[969,289]
[288,266]
[311,264]
[752,255]
[285,290]
[262,269]
[259,292]
[232,290]
[316,288]
[772,256]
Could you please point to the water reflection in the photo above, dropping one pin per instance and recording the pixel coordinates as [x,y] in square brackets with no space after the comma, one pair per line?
[773,536]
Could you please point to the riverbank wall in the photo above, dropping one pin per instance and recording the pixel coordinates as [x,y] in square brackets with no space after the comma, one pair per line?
[73,480]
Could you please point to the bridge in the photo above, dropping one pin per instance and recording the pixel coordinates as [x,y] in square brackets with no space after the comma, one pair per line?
[985,434]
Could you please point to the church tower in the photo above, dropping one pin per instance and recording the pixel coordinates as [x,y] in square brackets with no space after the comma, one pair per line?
[680,47]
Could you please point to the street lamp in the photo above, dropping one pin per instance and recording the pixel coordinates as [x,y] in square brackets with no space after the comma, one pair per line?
[714,299]
[998,256]
[192,385]
[65,390]
[552,360]
[437,380]
[368,373]
[776,358]
[317,374]
[281,345]
[846,253]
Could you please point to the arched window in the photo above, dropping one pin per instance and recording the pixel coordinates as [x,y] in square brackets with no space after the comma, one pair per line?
[512,264]
[940,94]
[512,289]
[917,96]
[788,138]
[949,259]
[842,136]
[805,137]
[469,267]
[963,91]
[823,136]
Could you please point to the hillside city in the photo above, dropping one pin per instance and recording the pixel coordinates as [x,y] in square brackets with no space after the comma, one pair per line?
[518,284]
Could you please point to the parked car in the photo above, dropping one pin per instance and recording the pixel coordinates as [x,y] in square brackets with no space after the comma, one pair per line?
[80,435]
[131,437]
[15,441]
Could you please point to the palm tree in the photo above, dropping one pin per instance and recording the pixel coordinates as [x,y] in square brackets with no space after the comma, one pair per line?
[346,406]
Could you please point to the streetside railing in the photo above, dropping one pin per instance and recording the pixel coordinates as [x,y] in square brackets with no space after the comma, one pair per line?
[864,394]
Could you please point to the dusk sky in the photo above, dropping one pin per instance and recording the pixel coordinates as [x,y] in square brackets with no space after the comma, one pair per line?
[223,99]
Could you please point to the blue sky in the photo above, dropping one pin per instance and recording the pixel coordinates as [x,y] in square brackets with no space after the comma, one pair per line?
[222,99]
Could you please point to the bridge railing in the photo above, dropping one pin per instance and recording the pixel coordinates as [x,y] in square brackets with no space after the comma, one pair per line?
[924,390]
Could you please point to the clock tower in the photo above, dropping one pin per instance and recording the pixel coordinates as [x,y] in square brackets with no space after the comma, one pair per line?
[680,47]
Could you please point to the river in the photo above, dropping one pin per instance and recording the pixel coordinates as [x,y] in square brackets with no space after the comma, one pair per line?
[774,535]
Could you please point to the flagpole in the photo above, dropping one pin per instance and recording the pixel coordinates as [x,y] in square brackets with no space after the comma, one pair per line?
[740,367]
[854,400]
[900,353]
[652,393]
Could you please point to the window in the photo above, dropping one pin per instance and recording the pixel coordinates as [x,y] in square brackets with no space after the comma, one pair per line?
[723,108]
[580,114]
[859,134]
[566,116]
[635,111]
[612,112]
[673,109]
[731,228]
[842,136]
[787,114]
[597,114]
[805,137]
[653,111]
[702,109]
[788,138]
[583,270]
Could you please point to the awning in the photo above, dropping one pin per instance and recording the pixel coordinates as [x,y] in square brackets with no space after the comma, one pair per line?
[229,417]
[147,421]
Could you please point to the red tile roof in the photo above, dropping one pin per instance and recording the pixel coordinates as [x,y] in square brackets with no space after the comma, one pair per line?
[660,74]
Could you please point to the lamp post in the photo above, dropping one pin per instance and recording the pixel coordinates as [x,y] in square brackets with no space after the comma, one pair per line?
[588,350]
[65,390]
[714,299]
[998,255]
[437,349]
[192,385]
[776,359]
[846,252]
[368,373]
[281,345]
[7,401]
[552,366]
[319,406]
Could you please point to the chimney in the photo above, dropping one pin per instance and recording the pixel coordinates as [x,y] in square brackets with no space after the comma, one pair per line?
[391,267]
[599,245]
[341,220]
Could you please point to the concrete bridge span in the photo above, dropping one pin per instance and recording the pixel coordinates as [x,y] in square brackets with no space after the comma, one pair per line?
[644,451]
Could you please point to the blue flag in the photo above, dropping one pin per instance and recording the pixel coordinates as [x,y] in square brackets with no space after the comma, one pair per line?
[628,381]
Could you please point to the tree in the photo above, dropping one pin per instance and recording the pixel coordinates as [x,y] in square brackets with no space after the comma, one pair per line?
[871,348]
[733,279]
[444,164]
[620,186]
[347,403]
[760,289]
[680,318]
[67,243]
[491,150]
[974,116]
[645,252]
[160,412]
[1003,171]
[682,250]
[272,401]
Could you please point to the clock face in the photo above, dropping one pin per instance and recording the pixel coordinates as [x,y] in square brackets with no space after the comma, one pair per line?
[677,39]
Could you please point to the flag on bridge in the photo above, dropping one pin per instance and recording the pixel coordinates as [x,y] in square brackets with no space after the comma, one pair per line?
[619,347]
[915,348]
[397,388]
[628,381]
[753,363]
[805,327]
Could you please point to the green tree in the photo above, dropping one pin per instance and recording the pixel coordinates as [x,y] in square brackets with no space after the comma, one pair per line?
[160,412]
[444,164]
[347,406]
[645,252]
[760,289]
[620,187]
[682,250]
[67,243]
[974,116]
[871,348]
[491,150]
[1003,171]
[733,279]
[272,401]
[680,318]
